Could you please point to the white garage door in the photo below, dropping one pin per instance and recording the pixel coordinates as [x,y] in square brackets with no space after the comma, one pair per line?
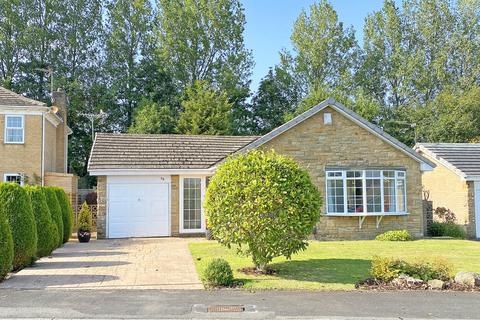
[138,206]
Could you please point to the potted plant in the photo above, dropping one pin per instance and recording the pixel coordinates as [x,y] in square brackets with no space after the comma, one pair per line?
[84,223]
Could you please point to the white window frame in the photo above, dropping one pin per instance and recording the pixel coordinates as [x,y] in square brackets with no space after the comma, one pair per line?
[365,212]
[13,175]
[6,127]
[202,197]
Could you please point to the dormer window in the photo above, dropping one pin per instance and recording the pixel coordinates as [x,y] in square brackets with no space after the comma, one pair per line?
[14,129]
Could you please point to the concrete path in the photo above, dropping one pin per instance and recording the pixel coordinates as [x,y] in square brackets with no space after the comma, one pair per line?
[181,304]
[162,263]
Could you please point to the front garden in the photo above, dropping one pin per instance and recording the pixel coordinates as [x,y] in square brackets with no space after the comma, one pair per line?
[336,265]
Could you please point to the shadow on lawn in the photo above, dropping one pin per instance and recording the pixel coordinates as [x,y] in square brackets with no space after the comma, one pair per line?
[323,270]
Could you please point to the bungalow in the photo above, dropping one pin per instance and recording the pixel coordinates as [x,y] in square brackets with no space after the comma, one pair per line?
[455,181]
[154,185]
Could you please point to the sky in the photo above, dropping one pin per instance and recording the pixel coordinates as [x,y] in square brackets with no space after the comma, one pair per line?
[270,22]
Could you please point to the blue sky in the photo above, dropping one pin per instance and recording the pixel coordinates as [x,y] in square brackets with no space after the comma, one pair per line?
[270,22]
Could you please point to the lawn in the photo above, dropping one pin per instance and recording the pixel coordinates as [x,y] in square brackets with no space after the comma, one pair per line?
[337,265]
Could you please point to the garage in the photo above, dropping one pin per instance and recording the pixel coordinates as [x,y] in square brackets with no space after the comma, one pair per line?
[138,206]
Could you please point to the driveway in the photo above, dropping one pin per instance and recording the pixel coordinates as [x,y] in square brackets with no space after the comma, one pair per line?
[162,263]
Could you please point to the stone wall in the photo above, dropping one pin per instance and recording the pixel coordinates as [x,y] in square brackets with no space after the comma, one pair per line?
[101,207]
[471,226]
[446,189]
[344,143]
[174,206]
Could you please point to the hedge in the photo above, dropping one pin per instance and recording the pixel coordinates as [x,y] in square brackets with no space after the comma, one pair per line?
[16,205]
[47,233]
[6,246]
[67,213]
[55,212]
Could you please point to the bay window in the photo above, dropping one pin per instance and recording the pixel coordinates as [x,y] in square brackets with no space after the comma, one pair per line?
[351,192]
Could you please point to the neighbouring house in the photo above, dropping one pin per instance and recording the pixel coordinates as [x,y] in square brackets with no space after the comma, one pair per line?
[154,185]
[455,181]
[35,141]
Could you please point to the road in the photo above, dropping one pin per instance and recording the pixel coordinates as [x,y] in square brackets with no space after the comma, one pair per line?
[162,304]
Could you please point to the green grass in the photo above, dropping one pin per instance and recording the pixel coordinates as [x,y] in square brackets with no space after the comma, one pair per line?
[336,265]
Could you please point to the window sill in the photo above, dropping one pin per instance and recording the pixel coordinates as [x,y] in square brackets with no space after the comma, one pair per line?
[368,214]
[13,142]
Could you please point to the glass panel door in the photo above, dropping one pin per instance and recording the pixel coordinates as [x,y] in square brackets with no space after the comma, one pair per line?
[192,203]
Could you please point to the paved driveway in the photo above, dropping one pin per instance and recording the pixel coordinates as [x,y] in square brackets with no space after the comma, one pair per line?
[163,263]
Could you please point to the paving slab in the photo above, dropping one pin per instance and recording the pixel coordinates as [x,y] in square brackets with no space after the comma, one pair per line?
[150,263]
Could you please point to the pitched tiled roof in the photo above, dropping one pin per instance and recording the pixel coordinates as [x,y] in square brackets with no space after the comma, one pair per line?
[10,98]
[162,151]
[463,158]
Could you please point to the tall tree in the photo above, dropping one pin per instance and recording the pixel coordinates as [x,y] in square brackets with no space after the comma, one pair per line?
[324,51]
[153,119]
[203,40]
[128,32]
[277,95]
[13,38]
[205,111]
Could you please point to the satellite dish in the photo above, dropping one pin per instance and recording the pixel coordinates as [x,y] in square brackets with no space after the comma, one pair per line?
[53,109]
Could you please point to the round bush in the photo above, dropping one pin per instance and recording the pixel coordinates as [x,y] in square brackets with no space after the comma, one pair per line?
[6,246]
[218,273]
[15,204]
[395,235]
[67,213]
[55,212]
[264,203]
[47,233]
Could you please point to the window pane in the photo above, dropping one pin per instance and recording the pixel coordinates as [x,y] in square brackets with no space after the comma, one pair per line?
[335,196]
[14,122]
[192,203]
[13,178]
[374,195]
[14,135]
[354,195]
[401,195]
[389,195]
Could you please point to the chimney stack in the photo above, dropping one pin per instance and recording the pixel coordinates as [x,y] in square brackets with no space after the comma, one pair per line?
[59,99]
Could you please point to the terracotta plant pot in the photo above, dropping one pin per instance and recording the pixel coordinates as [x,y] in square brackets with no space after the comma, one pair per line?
[83,236]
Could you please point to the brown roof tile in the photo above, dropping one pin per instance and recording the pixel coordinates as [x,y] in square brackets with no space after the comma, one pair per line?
[10,98]
[162,151]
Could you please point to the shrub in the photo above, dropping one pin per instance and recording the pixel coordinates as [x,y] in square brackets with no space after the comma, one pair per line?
[395,235]
[443,214]
[16,206]
[67,213]
[6,246]
[446,229]
[84,222]
[264,203]
[55,212]
[386,269]
[47,234]
[218,273]
[429,270]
